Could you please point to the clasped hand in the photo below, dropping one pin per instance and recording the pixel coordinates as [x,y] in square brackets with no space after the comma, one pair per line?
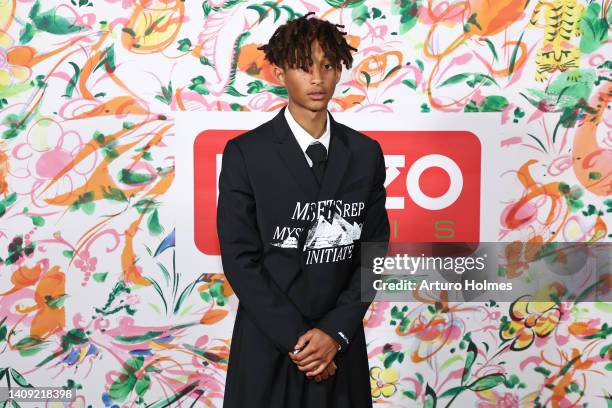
[315,354]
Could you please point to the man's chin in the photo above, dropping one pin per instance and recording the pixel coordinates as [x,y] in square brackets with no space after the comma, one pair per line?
[318,107]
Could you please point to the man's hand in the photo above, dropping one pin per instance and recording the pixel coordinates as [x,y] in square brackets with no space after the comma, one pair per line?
[328,372]
[316,350]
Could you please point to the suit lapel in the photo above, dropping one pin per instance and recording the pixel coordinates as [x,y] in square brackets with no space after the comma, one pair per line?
[338,159]
[293,157]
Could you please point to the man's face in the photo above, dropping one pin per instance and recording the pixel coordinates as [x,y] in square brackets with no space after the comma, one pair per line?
[311,87]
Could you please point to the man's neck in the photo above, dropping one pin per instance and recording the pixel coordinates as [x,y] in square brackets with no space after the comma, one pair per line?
[312,122]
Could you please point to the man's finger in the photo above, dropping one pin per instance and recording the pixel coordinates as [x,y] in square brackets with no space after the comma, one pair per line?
[304,361]
[310,368]
[318,370]
[302,340]
[304,353]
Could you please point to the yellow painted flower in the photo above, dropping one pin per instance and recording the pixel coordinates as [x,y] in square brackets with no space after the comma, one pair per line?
[529,319]
[382,381]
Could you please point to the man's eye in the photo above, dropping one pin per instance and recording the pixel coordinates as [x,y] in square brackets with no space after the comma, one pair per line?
[329,66]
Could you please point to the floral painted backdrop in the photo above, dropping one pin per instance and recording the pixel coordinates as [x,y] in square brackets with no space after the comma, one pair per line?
[89,297]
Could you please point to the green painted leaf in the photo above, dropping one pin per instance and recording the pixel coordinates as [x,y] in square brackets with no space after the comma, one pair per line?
[514,55]
[367,77]
[494,103]
[360,14]
[491,47]
[455,79]
[344,3]
[74,80]
[167,402]
[153,223]
[395,68]
[483,79]
[99,276]
[408,12]
[410,83]
[108,60]
[19,379]
[594,29]
[142,385]
[472,353]
[233,91]
[431,399]
[16,123]
[113,193]
[7,202]
[53,23]
[260,10]
[26,34]
[149,335]
[130,177]
[122,387]
[487,382]
[38,221]
[451,392]
[410,394]
[390,359]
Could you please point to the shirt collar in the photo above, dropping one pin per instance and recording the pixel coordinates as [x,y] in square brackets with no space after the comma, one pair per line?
[304,138]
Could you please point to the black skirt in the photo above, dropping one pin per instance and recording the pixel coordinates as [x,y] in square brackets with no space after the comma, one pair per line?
[261,376]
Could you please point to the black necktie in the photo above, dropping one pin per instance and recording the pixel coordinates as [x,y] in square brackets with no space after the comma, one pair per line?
[318,154]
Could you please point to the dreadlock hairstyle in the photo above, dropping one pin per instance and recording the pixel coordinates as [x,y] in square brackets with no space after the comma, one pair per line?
[290,43]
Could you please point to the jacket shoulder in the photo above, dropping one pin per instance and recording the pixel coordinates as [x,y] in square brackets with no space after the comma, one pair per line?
[359,140]
[254,138]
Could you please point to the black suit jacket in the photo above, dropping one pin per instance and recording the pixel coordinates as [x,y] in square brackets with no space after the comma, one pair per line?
[289,248]
[291,251]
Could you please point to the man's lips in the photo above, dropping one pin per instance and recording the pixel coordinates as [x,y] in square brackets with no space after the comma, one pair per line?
[317,95]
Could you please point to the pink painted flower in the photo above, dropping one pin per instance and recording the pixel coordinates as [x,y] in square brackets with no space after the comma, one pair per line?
[86,263]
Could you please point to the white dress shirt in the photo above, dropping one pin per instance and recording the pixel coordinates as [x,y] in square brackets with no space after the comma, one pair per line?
[304,138]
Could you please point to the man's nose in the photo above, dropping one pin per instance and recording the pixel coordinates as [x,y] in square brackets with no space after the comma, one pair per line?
[315,75]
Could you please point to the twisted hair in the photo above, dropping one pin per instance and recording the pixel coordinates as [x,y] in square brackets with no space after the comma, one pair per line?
[290,44]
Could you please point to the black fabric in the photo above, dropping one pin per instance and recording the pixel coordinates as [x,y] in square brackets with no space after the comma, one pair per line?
[268,197]
[318,154]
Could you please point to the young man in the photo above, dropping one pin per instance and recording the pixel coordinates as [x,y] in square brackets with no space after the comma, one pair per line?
[297,196]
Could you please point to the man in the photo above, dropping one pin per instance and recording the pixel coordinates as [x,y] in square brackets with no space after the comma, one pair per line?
[297,196]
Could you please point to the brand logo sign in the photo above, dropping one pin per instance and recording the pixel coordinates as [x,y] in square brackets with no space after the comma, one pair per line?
[432,182]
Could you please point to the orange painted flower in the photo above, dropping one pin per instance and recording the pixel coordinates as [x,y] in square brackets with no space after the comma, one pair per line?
[14,62]
[253,62]
[50,314]
[433,331]
[24,277]
[376,68]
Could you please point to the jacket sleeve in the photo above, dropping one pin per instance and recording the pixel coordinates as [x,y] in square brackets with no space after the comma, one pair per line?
[241,255]
[342,322]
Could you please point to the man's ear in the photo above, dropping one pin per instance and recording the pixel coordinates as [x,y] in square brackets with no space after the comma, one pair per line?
[279,74]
